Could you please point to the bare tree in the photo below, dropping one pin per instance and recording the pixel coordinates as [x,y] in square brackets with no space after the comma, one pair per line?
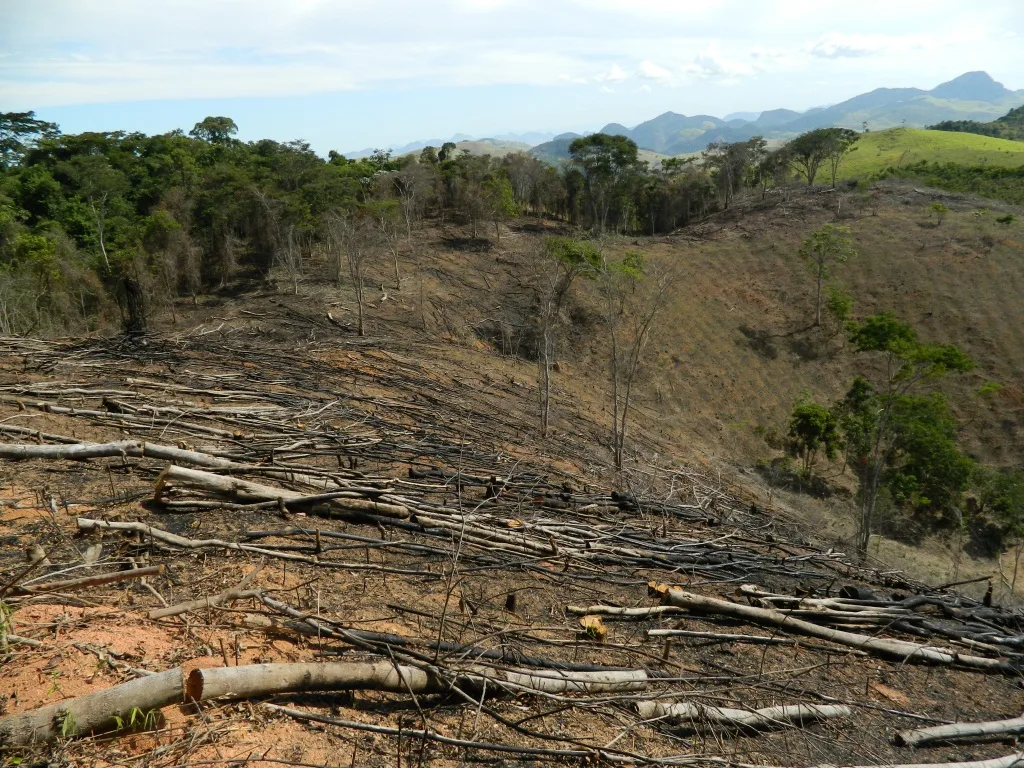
[385,215]
[632,300]
[412,185]
[354,240]
[550,272]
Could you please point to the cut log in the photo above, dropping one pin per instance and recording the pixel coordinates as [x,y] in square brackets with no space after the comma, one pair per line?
[204,602]
[637,614]
[1008,761]
[720,637]
[573,682]
[898,650]
[769,717]
[93,712]
[257,680]
[135,449]
[96,580]
[245,490]
[960,732]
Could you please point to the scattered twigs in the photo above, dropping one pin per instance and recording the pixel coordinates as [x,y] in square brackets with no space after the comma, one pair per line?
[299,714]
[960,732]
[238,592]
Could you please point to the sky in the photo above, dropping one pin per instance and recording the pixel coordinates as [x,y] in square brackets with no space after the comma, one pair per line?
[352,74]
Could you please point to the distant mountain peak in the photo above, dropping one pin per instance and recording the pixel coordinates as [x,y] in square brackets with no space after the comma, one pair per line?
[972,86]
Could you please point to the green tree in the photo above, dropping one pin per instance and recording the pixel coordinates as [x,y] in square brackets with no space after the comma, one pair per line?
[940,212]
[214,130]
[840,142]
[19,131]
[813,428]
[1001,498]
[100,185]
[604,162]
[500,201]
[879,421]
[807,152]
[826,247]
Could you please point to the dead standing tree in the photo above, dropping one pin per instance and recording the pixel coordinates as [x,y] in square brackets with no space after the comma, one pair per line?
[552,270]
[632,298]
[354,241]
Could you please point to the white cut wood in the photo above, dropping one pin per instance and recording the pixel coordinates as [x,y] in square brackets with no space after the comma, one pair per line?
[768,717]
[1007,761]
[248,491]
[135,449]
[899,650]
[959,732]
[555,681]
[625,613]
[255,680]
[93,712]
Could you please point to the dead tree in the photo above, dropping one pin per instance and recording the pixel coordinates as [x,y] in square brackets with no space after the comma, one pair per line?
[632,300]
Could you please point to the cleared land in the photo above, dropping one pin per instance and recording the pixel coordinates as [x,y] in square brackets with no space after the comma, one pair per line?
[878,150]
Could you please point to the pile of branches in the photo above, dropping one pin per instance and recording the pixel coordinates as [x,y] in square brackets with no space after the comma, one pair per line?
[421,482]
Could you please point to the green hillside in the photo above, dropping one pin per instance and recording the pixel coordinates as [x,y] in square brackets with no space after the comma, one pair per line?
[905,146]
[1009,126]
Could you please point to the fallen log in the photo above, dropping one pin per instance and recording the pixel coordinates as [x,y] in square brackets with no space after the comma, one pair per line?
[204,602]
[235,487]
[93,712]
[552,681]
[720,636]
[135,449]
[769,717]
[96,580]
[1008,761]
[255,680]
[899,650]
[636,614]
[960,732]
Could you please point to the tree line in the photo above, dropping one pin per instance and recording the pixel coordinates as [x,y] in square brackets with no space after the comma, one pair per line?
[98,227]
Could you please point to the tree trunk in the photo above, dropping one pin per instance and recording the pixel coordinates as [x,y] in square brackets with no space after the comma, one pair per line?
[769,717]
[135,307]
[360,330]
[817,300]
[960,732]
[94,712]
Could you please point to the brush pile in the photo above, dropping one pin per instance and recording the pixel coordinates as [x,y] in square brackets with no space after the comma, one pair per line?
[218,550]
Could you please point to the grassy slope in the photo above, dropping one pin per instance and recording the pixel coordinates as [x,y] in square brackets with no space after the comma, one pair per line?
[902,146]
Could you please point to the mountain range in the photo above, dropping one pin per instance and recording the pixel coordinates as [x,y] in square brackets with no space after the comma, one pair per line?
[973,96]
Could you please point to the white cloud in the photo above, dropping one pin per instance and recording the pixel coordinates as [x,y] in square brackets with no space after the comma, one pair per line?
[651,71]
[614,75]
[85,51]
[834,45]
